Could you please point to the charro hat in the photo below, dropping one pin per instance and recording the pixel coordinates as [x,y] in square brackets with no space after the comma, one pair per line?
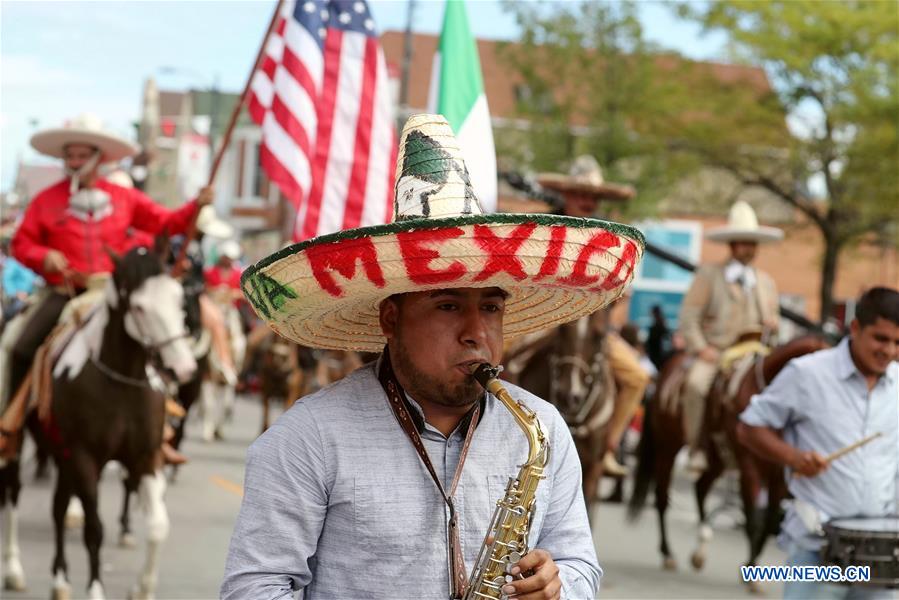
[85,129]
[326,292]
[585,177]
[743,226]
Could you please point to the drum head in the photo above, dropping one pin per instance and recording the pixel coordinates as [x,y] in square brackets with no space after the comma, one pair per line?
[867,524]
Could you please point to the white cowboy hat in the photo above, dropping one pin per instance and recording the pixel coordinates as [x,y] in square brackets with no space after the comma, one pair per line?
[585,176]
[230,249]
[84,129]
[326,292]
[209,223]
[743,226]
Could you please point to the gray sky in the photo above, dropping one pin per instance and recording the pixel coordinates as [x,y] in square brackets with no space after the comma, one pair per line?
[60,59]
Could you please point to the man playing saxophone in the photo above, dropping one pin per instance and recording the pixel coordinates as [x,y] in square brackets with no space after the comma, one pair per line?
[383,485]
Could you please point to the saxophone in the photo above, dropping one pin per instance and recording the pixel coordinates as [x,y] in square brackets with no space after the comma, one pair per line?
[507,537]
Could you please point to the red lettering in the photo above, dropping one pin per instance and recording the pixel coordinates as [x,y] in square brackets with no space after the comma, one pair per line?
[628,259]
[600,242]
[502,252]
[553,253]
[417,256]
[342,257]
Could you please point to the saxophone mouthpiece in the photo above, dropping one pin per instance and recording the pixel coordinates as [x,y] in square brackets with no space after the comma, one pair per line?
[484,372]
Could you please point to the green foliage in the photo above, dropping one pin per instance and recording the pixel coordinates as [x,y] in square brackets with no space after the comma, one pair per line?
[588,84]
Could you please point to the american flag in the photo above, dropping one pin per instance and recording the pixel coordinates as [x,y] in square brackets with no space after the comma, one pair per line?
[322,98]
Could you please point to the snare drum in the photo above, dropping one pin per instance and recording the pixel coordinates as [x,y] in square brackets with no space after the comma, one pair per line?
[865,542]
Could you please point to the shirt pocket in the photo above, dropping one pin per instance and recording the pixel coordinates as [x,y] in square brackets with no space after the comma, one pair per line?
[397,519]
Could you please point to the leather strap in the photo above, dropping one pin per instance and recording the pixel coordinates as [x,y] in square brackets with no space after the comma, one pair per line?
[396,397]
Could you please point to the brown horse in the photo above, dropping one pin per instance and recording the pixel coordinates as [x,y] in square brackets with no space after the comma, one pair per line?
[567,366]
[664,436]
[105,408]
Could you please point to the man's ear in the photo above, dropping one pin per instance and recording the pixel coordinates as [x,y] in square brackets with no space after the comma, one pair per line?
[388,314]
[855,328]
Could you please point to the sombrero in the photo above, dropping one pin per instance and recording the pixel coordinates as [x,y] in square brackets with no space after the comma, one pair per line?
[85,129]
[325,292]
[743,226]
[585,177]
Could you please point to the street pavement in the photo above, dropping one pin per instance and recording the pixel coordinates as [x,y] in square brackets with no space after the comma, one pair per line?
[204,500]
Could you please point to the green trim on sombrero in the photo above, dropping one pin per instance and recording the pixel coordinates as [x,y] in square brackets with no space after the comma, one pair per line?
[426,223]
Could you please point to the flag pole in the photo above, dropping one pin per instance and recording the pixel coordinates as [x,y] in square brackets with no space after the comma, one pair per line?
[226,139]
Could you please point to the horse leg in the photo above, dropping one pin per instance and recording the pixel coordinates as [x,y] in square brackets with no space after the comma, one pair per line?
[265,415]
[61,588]
[702,488]
[10,485]
[74,513]
[126,537]
[86,476]
[664,467]
[207,400]
[152,491]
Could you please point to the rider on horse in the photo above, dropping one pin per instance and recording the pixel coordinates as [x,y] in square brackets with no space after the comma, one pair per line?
[69,227]
[582,189]
[724,303]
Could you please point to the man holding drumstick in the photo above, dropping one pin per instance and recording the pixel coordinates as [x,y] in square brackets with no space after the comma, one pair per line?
[822,403]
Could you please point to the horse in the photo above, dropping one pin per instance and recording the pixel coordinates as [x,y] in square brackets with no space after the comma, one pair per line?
[218,389]
[104,407]
[664,435]
[284,370]
[568,367]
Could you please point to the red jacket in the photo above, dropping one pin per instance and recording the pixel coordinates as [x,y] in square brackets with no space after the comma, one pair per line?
[47,225]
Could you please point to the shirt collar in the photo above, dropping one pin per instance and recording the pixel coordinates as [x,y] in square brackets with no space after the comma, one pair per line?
[845,366]
[418,415]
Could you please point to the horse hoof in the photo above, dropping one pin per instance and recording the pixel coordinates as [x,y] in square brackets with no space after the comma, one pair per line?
[697,560]
[95,591]
[139,593]
[61,592]
[14,582]
[669,564]
[754,588]
[127,540]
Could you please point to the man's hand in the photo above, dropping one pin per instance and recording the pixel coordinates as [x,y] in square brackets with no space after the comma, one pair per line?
[808,463]
[55,262]
[542,581]
[710,354]
[206,196]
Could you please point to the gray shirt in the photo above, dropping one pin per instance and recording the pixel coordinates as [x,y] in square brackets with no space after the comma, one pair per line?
[822,403]
[338,503]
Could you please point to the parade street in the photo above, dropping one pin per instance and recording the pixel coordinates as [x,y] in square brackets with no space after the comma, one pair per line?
[204,501]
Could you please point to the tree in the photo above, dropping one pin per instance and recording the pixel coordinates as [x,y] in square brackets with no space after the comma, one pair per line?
[587,83]
[835,65]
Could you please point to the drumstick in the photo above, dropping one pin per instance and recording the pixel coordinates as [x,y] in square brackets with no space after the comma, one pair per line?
[832,457]
[843,451]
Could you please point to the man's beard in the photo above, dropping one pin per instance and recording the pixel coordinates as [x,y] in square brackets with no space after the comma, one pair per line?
[422,387]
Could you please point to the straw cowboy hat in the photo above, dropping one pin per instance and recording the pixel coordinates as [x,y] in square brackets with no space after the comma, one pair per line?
[85,129]
[585,177]
[743,226]
[326,292]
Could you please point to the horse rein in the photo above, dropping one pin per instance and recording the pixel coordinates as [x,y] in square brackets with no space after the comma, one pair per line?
[154,351]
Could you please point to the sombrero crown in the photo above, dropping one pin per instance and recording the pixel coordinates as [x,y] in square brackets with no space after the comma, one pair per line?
[85,129]
[325,292]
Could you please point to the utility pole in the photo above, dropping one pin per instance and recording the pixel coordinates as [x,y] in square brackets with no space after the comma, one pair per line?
[407,58]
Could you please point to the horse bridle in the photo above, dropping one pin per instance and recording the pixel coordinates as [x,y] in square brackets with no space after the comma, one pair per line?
[153,350]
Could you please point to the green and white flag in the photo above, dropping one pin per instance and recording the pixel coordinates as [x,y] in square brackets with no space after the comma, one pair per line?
[457,92]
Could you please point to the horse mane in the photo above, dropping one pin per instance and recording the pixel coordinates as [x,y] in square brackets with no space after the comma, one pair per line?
[135,267]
